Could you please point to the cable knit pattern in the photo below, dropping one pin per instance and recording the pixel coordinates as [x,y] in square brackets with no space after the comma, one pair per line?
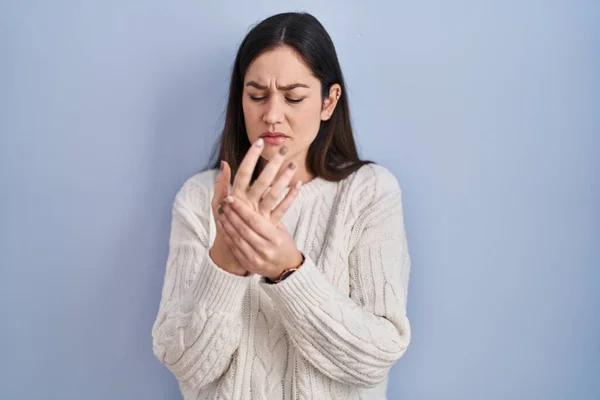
[332,330]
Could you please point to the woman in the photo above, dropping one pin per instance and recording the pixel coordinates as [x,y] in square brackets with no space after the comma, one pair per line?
[292,282]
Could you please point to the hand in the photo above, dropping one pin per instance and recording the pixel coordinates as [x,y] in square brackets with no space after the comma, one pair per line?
[262,245]
[220,252]
[264,194]
[259,245]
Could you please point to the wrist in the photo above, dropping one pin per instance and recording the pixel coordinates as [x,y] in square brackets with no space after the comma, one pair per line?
[225,263]
[282,275]
[234,269]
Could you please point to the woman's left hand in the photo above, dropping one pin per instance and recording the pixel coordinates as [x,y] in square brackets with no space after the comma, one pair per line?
[263,247]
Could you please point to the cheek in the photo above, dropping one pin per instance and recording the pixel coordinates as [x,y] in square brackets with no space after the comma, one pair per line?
[305,121]
[249,110]
[252,118]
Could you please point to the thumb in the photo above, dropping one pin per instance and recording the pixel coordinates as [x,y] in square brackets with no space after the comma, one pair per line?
[221,185]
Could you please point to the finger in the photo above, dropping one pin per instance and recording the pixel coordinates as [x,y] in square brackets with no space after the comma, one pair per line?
[244,173]
[254,220]
[267,175]
[246,232]
[278,213]
[238,243]
[273,196]
[221,186]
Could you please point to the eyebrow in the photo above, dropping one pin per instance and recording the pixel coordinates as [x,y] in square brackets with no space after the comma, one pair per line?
[283,88]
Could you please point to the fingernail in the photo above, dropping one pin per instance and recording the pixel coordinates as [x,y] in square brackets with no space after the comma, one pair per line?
[222,165]
[283,151]
[292,166]
[229,199]
[260,142]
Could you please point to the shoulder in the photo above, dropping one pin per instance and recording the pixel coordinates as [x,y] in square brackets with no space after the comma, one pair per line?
[372,183]
[197,190]
[377,176]
[375,202]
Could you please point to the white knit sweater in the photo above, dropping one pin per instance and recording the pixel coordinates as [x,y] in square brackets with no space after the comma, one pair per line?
[332,330]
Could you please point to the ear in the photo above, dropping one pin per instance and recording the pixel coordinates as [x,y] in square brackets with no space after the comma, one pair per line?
[335,92]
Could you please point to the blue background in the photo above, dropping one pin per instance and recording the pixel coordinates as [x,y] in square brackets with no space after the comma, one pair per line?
[488,112]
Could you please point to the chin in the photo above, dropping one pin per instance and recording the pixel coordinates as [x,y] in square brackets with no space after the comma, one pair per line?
[269,152]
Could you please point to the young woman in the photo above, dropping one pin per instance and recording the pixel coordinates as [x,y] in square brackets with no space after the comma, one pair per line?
[288,267]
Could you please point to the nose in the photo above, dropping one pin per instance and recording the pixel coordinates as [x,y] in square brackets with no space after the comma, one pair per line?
[273,111]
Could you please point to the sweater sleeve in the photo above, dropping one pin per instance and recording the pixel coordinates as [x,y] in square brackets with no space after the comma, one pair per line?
[355,339]
[198,326]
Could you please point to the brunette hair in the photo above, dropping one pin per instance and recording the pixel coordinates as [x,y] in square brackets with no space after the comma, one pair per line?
[332,155]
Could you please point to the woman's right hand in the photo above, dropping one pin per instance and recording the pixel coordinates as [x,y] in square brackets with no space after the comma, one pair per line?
[219,252]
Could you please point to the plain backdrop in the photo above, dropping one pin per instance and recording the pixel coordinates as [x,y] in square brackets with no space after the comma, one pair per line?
[488,113]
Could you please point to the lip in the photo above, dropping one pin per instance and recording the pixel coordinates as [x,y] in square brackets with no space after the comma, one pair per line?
[273,134]
[274,137]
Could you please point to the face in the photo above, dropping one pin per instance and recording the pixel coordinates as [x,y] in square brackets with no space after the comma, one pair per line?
[282,102]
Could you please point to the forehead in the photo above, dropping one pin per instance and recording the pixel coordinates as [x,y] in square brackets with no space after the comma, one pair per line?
[282,65]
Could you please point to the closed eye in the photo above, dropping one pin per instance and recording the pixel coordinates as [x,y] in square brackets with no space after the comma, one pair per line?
[288,99]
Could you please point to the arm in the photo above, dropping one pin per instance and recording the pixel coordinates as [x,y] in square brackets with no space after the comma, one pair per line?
[355,340]
[198,326]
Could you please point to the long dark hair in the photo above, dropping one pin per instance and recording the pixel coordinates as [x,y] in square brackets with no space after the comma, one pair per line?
[332,155]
